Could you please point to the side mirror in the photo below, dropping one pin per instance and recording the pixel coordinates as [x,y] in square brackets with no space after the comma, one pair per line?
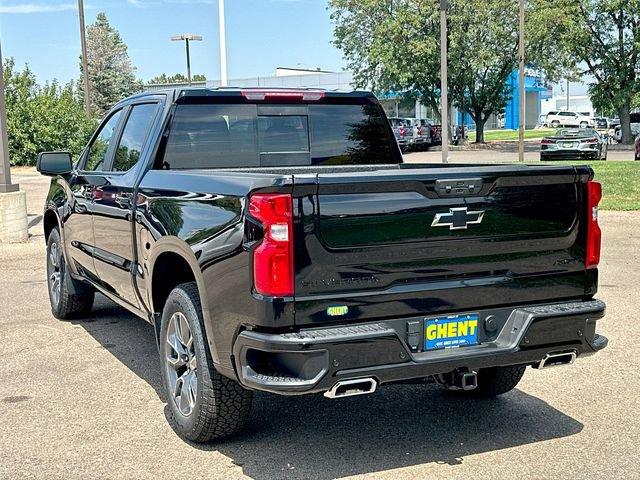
[54,163]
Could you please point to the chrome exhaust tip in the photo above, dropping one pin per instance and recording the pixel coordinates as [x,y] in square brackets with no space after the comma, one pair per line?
[351,388]
[556,359]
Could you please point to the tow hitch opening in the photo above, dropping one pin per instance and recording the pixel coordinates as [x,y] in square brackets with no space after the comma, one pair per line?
[459,380]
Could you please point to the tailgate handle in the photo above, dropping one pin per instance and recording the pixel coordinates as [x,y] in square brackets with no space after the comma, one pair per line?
[457,187]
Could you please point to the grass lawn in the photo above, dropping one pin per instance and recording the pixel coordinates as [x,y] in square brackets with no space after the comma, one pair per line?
[507,135]
[620,183]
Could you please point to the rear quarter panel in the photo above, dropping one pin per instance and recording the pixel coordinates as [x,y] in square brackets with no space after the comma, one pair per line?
[200,216]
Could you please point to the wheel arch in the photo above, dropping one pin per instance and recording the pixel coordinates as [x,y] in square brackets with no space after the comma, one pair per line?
[50,221]
[171,263]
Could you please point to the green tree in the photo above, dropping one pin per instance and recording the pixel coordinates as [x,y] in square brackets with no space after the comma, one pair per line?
[394,46]
[42,118]
[607,41]
[177,78]
[111,73]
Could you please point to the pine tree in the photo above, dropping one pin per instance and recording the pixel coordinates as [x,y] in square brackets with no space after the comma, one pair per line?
[111,73]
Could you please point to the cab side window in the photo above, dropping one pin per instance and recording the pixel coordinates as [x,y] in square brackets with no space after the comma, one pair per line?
[99,149]
[133,136]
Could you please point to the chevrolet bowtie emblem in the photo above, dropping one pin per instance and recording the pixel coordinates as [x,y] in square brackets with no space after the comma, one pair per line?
[457,218]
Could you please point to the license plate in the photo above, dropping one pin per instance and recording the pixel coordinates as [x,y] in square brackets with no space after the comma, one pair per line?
[451,331]
[567,145]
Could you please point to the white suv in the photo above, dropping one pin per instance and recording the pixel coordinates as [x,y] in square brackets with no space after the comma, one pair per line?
[569,119]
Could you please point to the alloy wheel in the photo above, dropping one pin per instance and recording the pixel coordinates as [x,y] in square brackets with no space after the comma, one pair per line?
[54,261]
[182,365]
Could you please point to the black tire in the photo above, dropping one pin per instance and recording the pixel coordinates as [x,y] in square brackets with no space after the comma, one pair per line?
[220,406]
[495,381]
[69,298]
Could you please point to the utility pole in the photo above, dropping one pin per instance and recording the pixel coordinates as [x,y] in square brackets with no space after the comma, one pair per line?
[13,201]
[521,91]
[187,38]
[567,94]
[85,61]
[444,97]
[223,44]
[5,173]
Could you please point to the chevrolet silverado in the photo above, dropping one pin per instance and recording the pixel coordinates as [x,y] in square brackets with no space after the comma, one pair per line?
[276,241]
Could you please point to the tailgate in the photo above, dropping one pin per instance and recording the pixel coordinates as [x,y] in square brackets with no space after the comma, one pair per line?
[395,243]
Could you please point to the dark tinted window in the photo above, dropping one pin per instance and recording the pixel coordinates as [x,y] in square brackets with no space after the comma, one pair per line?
[99,148]
[209,136]
[348,134]
[133,136]
[214,136]
[283,134]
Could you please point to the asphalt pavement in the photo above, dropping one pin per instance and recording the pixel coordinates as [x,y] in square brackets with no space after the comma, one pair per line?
[83,399]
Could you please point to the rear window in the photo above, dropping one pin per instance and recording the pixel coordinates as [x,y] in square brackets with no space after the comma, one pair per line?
[250,135]
[576,132]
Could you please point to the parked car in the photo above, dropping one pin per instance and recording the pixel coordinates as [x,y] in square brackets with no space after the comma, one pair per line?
[402,131]
[425,125]
[276,242]
[421,133]
[601,123]
[435,133]
[635,127]
[637,148]
[568,119]
[574,143]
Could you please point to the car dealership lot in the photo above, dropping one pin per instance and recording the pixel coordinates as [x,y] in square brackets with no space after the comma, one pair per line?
[83,399]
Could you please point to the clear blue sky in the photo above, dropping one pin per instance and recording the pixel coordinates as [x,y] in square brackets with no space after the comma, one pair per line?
[261,35]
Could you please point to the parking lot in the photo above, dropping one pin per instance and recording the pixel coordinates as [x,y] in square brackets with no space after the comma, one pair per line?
[435,156]
[83,399]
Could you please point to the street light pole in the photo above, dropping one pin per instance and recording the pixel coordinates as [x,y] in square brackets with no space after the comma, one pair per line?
[85,61]
[223,44]
[521,91]
[187,38]
[186,43]
[444,98]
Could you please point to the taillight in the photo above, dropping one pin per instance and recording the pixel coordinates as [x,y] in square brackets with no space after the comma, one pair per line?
[273,257]
[401,131]
[282,94]
[590,141]
[546,141]
[419,130]
[594,235]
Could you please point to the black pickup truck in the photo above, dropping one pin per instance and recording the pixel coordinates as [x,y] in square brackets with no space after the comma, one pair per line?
[276,241]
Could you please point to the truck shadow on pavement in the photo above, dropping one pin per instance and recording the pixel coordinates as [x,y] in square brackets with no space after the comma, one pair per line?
[314,437]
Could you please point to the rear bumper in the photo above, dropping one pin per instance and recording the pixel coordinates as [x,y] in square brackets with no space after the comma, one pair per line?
[313,360]
[571,153]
